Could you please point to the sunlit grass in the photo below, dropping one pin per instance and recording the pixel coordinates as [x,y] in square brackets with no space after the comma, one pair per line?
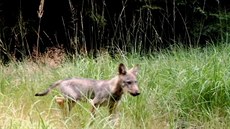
[179,88]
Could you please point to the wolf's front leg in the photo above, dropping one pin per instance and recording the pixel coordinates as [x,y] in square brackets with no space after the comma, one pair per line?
[95,105]
[114,116]
[112,108]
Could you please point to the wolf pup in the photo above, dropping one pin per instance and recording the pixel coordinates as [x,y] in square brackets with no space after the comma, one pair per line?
[100,92]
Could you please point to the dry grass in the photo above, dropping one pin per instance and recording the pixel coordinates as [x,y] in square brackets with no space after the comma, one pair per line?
[54,56]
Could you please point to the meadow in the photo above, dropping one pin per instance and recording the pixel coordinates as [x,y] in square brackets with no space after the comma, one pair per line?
[180,88]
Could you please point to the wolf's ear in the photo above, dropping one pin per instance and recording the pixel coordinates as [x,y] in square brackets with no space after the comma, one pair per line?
[122,69]
[135,69]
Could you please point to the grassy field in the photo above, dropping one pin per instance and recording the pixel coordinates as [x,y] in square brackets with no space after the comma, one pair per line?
[179,89]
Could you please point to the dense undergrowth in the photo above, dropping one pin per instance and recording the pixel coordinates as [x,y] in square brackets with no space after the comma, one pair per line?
[179,88]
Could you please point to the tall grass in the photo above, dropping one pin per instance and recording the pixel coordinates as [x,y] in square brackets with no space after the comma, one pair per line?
[179,88]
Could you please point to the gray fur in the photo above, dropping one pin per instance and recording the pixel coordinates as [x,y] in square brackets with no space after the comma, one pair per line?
[102,92]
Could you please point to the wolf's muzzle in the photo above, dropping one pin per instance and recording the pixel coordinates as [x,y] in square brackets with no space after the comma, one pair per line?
[135,94]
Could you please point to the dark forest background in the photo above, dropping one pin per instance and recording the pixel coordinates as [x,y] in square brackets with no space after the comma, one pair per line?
[91,26]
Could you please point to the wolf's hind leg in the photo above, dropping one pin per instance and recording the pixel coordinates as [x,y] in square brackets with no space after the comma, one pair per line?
[61,102]
[71,104]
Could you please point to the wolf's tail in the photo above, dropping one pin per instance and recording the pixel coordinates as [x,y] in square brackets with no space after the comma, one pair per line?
[49,89]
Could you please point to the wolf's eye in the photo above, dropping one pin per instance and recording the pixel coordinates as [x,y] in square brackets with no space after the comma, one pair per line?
[128,82]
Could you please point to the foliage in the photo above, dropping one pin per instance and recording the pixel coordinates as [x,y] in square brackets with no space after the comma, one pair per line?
[181,88]
[141,26]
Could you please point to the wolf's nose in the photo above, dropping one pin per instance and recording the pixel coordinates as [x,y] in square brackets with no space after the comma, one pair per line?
[136,94]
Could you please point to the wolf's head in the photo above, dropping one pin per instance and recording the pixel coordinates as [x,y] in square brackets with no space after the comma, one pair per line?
[128,79]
